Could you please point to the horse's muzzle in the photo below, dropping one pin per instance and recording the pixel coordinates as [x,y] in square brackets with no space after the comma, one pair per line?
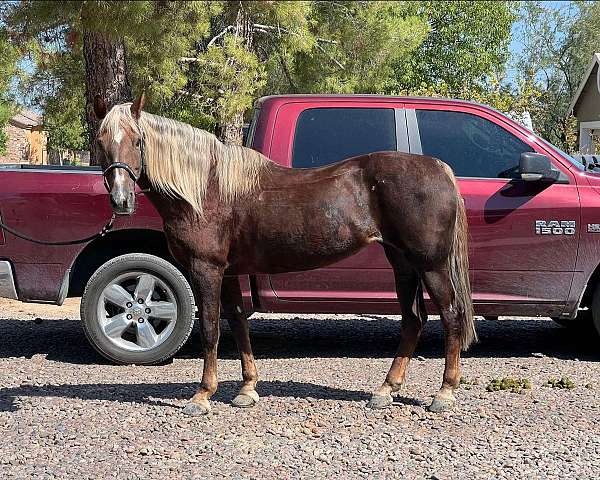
[123,203]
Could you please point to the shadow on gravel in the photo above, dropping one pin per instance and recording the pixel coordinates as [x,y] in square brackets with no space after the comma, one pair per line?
[152,393]
[360,336]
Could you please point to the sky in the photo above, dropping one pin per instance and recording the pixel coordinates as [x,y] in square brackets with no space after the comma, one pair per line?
[519,30]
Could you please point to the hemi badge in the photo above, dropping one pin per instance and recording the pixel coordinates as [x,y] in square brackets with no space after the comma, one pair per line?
[593,227]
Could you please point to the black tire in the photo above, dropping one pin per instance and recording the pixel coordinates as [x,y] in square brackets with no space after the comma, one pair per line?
[583,322]
[169,276]
[594,318]
[570,323]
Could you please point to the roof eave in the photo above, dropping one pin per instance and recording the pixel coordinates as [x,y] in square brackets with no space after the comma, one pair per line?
[595,61]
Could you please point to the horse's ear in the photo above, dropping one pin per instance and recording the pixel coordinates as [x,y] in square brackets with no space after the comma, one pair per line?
[138,106]
[99,107]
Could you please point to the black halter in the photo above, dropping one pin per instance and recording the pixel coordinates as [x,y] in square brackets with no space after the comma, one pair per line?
[126,167]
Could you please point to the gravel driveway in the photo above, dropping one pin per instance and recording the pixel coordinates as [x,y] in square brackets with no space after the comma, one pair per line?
[65,413]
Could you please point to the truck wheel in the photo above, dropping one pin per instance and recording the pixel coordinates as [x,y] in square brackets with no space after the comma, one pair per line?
[137,308]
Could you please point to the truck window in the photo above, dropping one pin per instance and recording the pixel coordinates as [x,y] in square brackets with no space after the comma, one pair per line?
[328,135]
[473,146]
[251,130]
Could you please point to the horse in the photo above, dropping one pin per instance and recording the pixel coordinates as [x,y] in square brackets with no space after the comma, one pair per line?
[228,210]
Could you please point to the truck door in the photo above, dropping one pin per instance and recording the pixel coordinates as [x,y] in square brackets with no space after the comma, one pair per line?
[320,135]
[523,235]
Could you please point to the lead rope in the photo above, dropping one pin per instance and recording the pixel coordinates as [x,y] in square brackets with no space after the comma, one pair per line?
[105,229]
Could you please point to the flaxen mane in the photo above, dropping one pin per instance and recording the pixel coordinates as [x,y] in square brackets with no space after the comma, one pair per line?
[179,158]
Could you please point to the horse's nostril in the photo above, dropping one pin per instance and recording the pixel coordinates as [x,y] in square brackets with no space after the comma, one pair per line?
[118,202]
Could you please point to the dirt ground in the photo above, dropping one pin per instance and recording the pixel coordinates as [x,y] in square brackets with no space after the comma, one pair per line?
[67,413]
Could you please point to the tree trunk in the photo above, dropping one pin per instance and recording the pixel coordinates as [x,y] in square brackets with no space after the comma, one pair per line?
[105,75]
[231,130]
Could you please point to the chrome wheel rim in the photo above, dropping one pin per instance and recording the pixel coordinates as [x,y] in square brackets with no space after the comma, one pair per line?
[137,311]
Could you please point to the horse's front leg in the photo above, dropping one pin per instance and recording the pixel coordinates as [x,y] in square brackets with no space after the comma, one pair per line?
[231,297]
[206,283]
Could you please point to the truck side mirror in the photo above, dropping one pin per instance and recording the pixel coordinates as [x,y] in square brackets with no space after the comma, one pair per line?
[534,167]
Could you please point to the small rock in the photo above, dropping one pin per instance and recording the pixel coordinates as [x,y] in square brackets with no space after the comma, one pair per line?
[417,450]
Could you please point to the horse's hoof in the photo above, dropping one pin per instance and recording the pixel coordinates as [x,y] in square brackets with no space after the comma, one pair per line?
[380,401]
[194,409]
[441,404]
[246,400]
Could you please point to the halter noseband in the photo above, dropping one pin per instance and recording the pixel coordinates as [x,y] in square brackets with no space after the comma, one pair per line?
[126,167]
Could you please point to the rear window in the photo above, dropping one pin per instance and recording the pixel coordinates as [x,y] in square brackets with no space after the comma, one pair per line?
[328,135]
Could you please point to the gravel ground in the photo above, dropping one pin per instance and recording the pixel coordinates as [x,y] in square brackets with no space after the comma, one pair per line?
[66,413]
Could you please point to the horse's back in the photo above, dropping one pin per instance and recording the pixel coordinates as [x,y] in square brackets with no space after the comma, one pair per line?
[406,166]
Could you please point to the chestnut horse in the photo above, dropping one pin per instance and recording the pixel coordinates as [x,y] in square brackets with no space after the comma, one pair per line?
[228,210]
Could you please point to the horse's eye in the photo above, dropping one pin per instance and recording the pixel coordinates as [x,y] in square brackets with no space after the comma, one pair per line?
[138,142]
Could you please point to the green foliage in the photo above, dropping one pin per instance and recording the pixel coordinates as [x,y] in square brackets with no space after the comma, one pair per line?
[6,112]
[228,78]
[514,385]
[57,86]
[229,68]
[160,35]
[65,122]
[463,56]
[356,45]
[562,383]
[8,59]
[468,43]
[467,383]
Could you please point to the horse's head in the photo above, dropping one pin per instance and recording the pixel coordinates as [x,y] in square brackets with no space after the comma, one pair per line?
[121,143]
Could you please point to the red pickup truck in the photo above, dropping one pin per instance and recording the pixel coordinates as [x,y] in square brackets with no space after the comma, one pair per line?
[534,237]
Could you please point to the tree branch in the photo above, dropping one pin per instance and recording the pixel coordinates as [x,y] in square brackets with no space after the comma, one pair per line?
[259,27]
[329,56]
[287,74]
[264,28]
[219,35]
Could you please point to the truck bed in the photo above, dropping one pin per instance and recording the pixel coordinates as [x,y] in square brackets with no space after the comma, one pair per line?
[25,166]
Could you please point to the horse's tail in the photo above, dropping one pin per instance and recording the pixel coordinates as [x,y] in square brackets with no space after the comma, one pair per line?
[458,267]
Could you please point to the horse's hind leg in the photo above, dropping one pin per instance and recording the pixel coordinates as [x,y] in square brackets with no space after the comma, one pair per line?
[414,316]
[231,298]
[440,289]
[206,283]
